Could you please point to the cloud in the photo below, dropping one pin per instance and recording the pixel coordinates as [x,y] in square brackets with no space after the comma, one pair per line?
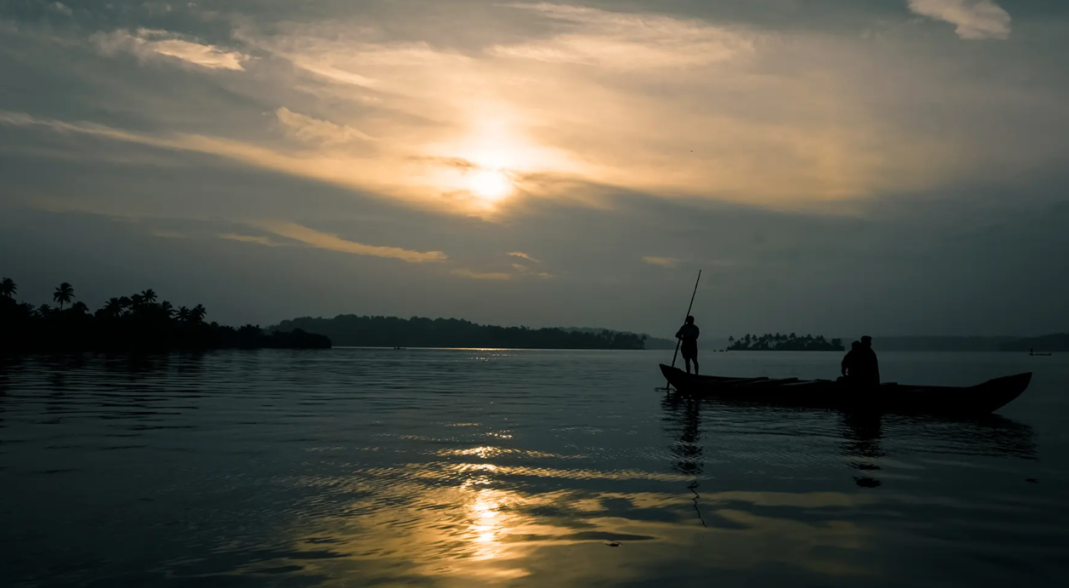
[628,41]
[729,113]
[339,169]
[312,130]
[749,119]
[61,8]
[331,242]
[474,275]
[149,43]
[661,261]
[525,271]
[522,255]
[22,119]
[975,19]
[334,54]
[249,239]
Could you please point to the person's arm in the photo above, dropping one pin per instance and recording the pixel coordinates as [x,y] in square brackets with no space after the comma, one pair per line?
[679,334]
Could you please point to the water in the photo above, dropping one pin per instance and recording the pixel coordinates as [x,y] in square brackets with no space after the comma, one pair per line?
[355,467]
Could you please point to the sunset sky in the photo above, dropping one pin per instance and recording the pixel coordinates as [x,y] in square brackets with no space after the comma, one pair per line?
[834,166]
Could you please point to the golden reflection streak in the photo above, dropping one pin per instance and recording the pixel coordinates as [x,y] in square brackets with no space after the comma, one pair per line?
[460,524]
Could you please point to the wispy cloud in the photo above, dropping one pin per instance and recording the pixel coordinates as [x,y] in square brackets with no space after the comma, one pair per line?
[150,43]
[628,41]
[61,8]
[526,272]
[249,239]
[523,255]
[474,275]
[333,242]
[974,19]
[341,169]
[332,53]
[21,119]
[661,261]
[313,130]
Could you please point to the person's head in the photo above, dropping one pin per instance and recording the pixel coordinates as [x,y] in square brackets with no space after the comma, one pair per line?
[855,345]
[866,341]
[690,320]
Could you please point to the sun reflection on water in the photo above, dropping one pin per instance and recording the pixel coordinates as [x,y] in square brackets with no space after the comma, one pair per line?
[454,523]
[487,522]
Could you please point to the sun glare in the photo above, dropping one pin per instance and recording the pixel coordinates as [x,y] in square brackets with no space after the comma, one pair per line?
[491,185]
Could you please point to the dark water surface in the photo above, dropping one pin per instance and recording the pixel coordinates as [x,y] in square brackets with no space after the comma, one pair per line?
[355,467]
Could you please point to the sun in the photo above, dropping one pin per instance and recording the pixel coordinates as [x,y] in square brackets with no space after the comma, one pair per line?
[490,185]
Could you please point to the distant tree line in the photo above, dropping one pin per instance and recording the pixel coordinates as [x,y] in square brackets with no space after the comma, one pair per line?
[134,323]
[780,342]
[649,341]
[382,331]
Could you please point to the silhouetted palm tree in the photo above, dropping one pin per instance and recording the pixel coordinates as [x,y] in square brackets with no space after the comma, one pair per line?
[114,307]
[196,316]
[183,314]
[80,308]
[44,310]
[148,296]
[8,288]
[63,294]
[166,309]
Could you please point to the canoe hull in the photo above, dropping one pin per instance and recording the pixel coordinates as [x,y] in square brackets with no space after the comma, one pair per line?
[983,398]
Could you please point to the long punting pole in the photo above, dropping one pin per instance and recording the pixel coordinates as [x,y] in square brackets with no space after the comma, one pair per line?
[689,307]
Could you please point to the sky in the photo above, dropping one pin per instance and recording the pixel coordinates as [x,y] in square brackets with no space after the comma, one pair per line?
[832,166]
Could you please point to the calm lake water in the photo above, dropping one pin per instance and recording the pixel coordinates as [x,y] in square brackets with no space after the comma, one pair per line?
[357,467]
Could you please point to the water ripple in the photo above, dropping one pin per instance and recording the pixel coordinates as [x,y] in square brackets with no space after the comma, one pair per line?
[470,467]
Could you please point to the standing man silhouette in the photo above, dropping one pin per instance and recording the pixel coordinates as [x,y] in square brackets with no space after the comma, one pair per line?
[688,335]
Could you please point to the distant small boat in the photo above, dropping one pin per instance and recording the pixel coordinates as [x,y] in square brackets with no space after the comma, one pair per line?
[1040,354]
[398,348]
[980,399]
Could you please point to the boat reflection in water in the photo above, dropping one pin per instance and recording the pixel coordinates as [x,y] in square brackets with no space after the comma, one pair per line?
[862,435]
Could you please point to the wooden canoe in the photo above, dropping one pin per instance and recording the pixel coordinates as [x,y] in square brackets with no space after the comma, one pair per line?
[979,399]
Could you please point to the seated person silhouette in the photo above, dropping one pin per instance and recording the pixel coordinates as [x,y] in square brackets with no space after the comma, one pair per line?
[868,367]
[850,361]
[688,336]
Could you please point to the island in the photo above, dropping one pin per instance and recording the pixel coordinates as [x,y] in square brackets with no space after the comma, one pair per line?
[387,331]
[140,322]
[780,342]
